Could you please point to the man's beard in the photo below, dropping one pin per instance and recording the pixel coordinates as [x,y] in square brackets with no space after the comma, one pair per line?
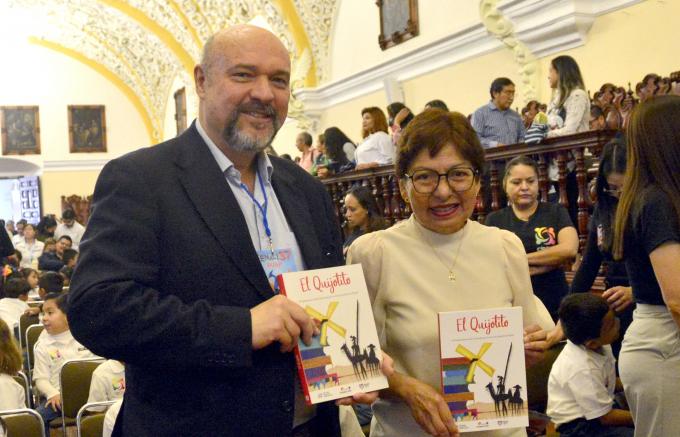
[242,142]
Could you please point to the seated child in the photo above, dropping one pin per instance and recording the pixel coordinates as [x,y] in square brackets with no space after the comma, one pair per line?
[110,418]
[49,282]
[583,378]
[12,394]
[51,352]
[33,279]
[13,305]
[70,258]
[108,382]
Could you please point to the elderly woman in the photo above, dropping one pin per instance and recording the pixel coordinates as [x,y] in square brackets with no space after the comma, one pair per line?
[437,260]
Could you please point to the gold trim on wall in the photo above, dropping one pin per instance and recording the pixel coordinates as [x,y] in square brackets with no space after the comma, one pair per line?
[155,136]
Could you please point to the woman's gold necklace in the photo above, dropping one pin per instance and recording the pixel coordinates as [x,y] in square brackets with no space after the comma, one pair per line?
[452,275]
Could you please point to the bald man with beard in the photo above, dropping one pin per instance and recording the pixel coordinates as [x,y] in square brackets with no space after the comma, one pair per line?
[169,278]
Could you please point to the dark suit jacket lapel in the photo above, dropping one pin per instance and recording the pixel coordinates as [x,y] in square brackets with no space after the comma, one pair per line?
[209,191]
[296,209]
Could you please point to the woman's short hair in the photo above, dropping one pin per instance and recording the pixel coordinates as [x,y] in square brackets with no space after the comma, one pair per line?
[364,196]
[379,120]
[519,160]
[433,129]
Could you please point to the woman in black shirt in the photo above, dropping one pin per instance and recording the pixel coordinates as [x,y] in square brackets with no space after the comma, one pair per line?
[598,250]
[647,236]
[546,231]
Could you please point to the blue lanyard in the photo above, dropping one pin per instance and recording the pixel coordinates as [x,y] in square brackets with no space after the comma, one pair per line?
[262,208]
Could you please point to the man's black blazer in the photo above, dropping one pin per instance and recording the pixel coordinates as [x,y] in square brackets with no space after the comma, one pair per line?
[165,280]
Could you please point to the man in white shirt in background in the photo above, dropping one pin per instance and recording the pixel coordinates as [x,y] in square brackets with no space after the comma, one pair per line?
[20,231]
[69,226]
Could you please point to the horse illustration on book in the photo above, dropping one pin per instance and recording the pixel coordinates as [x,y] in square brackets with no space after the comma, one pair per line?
[516,401]
[357,361]
[372,360]
[499,399]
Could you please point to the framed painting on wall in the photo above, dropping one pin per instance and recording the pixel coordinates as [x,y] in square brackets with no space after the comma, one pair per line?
[20,126]
[86,128]
[398,21]
[181,110]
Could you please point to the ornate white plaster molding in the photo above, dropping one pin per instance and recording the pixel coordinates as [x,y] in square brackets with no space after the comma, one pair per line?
[545,26]
[74,165]
[497,24]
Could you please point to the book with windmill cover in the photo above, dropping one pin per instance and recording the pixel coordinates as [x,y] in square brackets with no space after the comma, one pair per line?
[483,376]
[344,358]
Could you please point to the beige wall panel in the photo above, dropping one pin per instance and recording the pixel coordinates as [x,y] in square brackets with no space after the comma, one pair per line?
[347,115]
[465,86]
[354,39]
[57,184]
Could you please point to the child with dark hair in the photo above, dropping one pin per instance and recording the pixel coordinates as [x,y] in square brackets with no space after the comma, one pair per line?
[583,378]
[13,305]
[49,283]
[54,347]
[33,279]
[70,257]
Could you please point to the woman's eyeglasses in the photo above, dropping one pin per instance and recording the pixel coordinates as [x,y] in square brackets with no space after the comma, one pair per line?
[613,193]
[460,179]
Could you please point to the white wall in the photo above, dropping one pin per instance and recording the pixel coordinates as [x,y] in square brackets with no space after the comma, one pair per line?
[52,81]
[354,38]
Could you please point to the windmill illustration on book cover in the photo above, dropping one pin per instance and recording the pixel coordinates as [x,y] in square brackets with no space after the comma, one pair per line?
[482,368]
[345,357]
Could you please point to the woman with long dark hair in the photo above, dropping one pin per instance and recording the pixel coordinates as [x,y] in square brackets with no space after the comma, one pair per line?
[647,236]
[598,250]
[339,152]
[362,214]
[569,108]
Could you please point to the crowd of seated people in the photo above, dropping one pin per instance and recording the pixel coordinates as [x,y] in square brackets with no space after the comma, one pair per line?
[425,147]
[36,272]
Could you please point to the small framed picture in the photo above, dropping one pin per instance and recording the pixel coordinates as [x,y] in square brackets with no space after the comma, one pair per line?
[398,21]
[87,128]
[20,126]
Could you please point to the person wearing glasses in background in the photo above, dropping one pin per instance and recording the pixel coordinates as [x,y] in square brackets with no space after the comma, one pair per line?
[547,233]
[438,260]
[598,249]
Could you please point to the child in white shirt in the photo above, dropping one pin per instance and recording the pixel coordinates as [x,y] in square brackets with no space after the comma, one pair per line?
[108,382]
[12,394]
[583,378]
[13,306]
[52,350]
[110,418]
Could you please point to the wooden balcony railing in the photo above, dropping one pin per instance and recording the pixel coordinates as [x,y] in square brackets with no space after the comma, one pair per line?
[584,148]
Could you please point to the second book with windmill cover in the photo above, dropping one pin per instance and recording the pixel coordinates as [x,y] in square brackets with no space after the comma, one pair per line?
[345,357]
[483,376]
